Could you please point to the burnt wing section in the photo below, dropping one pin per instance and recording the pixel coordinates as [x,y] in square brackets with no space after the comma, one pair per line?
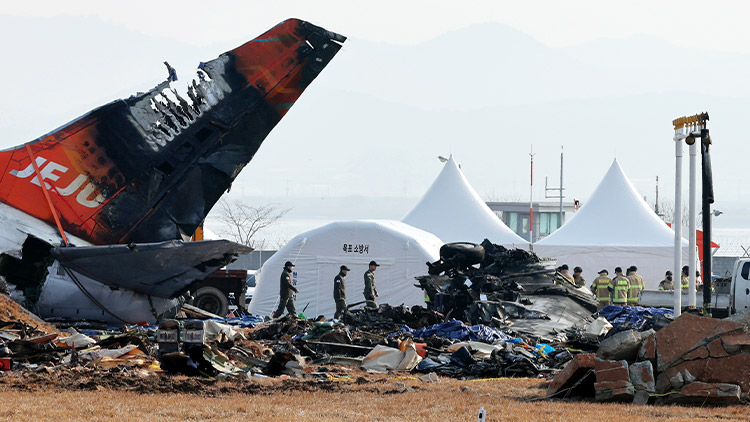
[164,269]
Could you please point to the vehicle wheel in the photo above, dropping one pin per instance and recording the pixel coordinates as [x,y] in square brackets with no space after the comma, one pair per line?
[467,253]
[211,299]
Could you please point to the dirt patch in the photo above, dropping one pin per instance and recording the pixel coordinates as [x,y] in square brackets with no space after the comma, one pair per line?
[11,311]
[143,382]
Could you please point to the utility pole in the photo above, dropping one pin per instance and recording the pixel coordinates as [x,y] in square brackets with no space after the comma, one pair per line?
[559,189]
[688,129]
[679,136]
[531,201]
[707,199]
[656,204]
[691,223]
[561,185]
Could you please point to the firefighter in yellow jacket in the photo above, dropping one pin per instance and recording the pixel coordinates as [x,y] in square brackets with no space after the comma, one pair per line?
[619,288]
[667,283]
[578,277]
[600,288]
[635,285]
[563,270]
[684,279]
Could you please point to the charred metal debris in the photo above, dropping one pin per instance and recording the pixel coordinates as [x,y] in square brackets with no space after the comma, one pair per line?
[511,289]
[514,332]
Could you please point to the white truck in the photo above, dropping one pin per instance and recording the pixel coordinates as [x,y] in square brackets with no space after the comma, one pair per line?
[731,295]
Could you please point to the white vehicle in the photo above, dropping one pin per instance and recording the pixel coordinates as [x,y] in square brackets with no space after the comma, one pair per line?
[730,295]
[250,287]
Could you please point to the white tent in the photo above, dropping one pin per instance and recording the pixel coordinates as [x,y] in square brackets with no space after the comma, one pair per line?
[400,249]
[454,212]
[615,228]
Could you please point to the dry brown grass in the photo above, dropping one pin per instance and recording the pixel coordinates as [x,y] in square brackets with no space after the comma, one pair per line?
[382,400]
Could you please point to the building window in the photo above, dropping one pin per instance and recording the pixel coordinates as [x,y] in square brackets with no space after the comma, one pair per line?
[525,225]
[544,223]
[554,222]
[513,221]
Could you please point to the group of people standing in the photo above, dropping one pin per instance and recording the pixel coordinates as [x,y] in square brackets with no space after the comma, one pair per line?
[575,279]
[622,289]
[287,290]
[668,283]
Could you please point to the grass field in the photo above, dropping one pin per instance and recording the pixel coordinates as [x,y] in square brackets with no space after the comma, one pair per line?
[379,398]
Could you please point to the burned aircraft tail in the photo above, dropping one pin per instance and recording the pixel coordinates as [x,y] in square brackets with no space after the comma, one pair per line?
[150,167]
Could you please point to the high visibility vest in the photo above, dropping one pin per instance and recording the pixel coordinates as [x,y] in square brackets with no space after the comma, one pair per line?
[620,290]
[600,288]
[635,287]
[685,282]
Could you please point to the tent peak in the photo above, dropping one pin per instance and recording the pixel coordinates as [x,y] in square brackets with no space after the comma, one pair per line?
[455,212]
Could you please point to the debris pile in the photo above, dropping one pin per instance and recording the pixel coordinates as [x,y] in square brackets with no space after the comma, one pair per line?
[693,360]
[503,317]
[24,347]
[492,312]
[512,289]
[284,347]
[387,319]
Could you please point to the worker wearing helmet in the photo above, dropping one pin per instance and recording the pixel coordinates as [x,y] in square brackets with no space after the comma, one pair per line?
[619,288]
[685,278]
[578,277]
[599,287]
[635,285]
[667,283]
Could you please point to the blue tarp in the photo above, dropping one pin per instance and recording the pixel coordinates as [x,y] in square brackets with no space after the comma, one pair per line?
[456,330]
[633,316]
[244,321]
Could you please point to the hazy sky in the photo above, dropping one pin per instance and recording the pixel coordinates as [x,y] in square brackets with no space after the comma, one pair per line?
[717,25]
[603,79]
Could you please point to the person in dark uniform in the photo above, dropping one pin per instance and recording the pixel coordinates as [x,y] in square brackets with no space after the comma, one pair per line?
[370,291]
[286,290]
[339,292]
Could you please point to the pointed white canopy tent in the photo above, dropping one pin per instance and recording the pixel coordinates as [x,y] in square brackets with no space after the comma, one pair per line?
[400,249]
[615,228]
[454,212]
